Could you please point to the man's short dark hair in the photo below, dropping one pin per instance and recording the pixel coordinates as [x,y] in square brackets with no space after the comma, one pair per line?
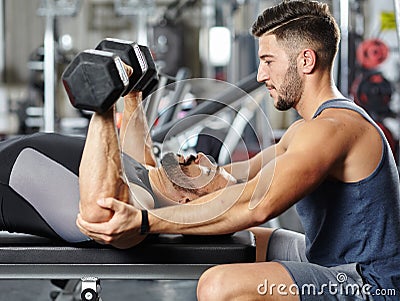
[302,24]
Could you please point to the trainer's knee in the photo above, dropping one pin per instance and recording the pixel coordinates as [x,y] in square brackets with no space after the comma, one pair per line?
[214,285]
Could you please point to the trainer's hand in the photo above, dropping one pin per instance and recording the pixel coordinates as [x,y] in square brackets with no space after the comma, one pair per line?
[121,231]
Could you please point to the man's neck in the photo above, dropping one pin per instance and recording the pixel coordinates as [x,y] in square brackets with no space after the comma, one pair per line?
[160,188]
[318,89]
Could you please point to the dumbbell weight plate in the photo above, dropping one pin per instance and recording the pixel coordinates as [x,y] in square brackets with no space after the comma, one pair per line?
[95,80]
[150,78]
[131,54]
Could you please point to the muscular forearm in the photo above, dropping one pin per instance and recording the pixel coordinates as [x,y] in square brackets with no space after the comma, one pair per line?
[134,133]
[221,212]
[247,170]
[100,172]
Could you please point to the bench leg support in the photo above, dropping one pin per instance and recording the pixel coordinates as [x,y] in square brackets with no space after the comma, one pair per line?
[90,289]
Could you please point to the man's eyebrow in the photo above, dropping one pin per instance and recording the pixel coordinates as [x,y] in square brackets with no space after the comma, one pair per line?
[264,56]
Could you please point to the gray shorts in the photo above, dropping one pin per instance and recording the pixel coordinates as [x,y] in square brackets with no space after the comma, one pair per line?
[312,281]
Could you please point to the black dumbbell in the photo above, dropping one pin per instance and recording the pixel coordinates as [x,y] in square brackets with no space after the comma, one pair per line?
[96,79]
[132,55]
[152,74]
[139,57]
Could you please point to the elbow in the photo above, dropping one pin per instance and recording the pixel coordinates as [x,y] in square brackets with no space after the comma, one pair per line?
[260,217]
[94,213]
[263,204]
[261,213]
[263,199]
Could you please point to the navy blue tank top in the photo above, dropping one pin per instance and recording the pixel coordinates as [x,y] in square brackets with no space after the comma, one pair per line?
[357,222]
[138,175]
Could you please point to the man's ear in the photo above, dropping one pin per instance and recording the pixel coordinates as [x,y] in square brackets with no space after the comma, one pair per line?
[308,61]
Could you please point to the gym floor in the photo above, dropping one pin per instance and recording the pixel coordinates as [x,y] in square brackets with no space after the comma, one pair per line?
[138,290]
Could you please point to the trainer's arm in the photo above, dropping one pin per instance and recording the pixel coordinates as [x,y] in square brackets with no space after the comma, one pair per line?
[281,182]
[248,169]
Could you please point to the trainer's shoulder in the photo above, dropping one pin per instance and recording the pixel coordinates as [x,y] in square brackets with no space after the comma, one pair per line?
[312,126]
[290,133]
[323,128]
[339,118]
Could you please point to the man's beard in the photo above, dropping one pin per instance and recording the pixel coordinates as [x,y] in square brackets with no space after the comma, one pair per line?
[175,173]
[291,90]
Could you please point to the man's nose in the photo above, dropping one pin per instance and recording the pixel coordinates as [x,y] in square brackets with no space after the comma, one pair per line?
[261,75]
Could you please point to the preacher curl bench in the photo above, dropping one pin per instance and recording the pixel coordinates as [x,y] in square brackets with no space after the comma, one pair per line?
[159,257]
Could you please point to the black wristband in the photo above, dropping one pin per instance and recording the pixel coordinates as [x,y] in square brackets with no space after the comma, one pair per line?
[145,227]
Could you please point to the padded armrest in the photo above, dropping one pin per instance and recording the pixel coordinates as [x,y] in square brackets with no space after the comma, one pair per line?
[156,249]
